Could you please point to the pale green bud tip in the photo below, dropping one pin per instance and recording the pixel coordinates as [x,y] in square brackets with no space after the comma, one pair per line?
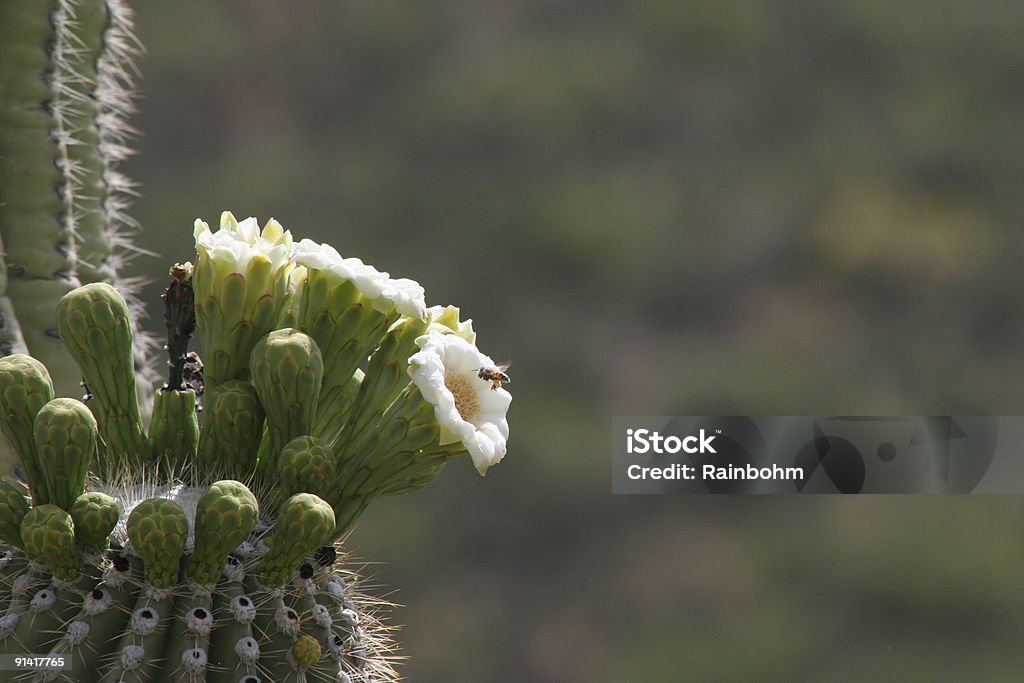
[306,461]
[445,319]
[287,343]
[49,537]
[306,651]
[158,529]
[24,370]
[95,515]
[69,414]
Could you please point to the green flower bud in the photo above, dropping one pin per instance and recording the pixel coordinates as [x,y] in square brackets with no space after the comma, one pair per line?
[95,325]
[25,387]
[306,651]
[304,523]
[346,305]
[241,286]
[306,465]
[49,537]
[66,441]
[95,516]
[232,427]
[386,376]
[13,508]
[287,371]
[174,431]
[158,529]
[445,319]
[225,516]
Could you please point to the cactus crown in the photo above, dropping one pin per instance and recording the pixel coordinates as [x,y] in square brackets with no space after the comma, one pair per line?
[329,384]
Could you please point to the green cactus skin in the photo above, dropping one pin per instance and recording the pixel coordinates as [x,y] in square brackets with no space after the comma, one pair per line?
[95,515]
[66,435]
[346,327]
[48,533]
[40,249]
[13,508]
[385,377]
[305,522]
[94,323]
[232,426]
[174,430]
[25,387]
[158,529]
[287,371]
[65,74]
[225,516]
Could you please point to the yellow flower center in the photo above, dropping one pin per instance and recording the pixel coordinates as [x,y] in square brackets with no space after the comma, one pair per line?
[465,396]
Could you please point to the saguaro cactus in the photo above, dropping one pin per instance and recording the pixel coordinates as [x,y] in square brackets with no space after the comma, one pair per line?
[206,548]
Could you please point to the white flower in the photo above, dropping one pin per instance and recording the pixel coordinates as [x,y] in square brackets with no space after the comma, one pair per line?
[469,409]
[385,293]
[241,285]
[235,245]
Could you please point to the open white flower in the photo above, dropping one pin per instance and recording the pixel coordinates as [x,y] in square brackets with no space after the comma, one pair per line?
[469,409]
[235,244]
[386,293]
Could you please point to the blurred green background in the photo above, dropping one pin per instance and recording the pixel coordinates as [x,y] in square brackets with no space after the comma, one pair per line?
[649,207]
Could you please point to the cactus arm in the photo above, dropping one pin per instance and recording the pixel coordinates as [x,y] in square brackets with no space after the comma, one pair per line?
[65,92]
[40,249]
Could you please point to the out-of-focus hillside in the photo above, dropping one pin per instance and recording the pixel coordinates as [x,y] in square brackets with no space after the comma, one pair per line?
[652,207]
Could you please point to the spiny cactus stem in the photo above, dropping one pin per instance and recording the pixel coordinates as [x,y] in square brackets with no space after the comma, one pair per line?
[226,663]
[41,626]
[147,629]
[189,641]
[180,320]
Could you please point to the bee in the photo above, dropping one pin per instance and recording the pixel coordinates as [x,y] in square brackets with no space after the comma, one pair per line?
[496,376]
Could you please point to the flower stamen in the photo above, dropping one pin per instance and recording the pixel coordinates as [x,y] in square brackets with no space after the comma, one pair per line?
[464,394]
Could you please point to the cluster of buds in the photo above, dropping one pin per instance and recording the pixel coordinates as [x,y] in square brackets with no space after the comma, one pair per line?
[206,546]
